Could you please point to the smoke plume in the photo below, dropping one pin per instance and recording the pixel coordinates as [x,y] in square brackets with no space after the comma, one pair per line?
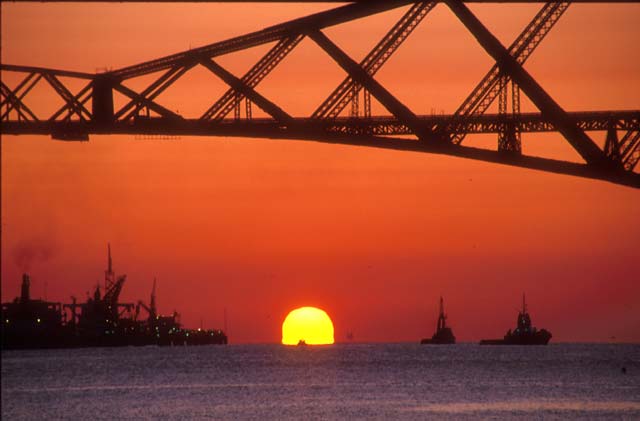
[27,254]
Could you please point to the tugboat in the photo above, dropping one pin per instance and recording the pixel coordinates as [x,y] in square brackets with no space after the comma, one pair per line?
[444,334]
[524,334]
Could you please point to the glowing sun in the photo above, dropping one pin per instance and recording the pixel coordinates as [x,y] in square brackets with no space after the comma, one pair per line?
[308,324]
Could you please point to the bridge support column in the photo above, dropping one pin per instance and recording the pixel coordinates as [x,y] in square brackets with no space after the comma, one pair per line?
[102,99]
[611,144]
[509,139]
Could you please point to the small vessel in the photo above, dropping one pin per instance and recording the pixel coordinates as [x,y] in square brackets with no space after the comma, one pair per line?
[444,334]
[302,342]
[524,334]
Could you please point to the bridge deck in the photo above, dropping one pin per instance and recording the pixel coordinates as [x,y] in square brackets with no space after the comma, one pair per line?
[376,125]
[269,129]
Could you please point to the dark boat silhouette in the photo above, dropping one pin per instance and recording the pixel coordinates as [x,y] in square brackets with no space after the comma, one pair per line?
[103,320]
[302,342]
[524,334]
[444,334]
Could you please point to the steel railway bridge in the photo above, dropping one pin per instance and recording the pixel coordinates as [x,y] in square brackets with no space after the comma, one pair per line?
[345,116]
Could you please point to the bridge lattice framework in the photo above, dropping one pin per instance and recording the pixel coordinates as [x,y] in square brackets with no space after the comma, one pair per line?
[504,82]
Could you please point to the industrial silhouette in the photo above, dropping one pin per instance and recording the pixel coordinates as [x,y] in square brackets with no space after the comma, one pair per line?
[101,321]
[443,134]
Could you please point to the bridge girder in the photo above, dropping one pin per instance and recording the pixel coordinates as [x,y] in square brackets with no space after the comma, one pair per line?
[448,131]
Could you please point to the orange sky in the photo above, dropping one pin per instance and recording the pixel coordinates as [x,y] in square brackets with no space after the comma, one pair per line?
[371,236]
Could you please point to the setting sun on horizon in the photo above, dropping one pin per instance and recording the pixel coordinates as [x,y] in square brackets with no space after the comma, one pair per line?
[308,325]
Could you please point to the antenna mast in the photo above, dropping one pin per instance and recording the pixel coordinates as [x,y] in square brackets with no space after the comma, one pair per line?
[152,304]
[109,276]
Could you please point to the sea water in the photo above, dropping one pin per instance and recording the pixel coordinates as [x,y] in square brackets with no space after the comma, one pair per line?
[383,381]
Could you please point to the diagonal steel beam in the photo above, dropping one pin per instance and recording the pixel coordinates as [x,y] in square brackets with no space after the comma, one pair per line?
[152,105]
[13,98]
[631,154]
[157,89]
[15,102]
[18,88]
[148,90]
[79,98]
[357,73]
[253,77]
[319,20]
[487,90]
[347,90]
[217,110]
[582,143]
[627,141]
[239,86]
[72,103]
[65,94]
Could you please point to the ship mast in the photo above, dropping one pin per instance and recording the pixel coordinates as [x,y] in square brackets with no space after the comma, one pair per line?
[109,276]
[26,282]
[152,304]
[441,316]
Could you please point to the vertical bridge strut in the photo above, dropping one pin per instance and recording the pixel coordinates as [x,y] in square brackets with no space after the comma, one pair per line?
[509,137]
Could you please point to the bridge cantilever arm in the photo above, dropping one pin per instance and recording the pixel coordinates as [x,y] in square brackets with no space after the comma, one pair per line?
[44,70]
[560,119]
[318,20]
[239,86]
[357,73]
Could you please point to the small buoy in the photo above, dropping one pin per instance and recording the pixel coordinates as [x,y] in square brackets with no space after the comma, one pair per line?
[624,370]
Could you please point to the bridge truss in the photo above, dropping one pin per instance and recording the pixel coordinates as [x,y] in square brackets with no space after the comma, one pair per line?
[91,110]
